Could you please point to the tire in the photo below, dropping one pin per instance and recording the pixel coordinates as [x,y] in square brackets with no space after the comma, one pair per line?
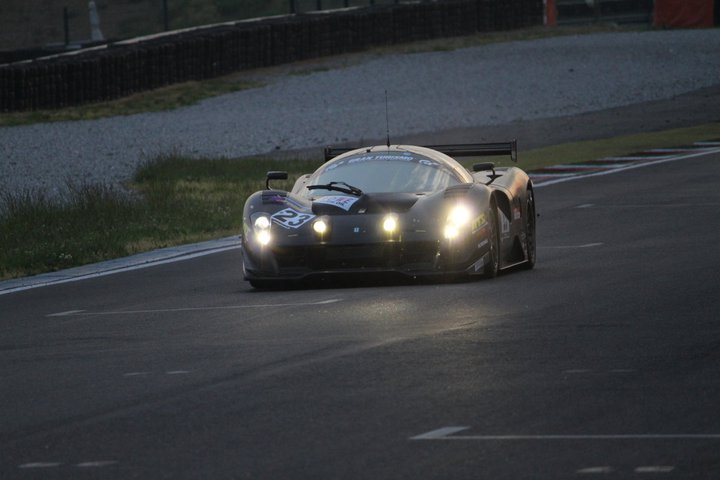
[530,231]
[493,266]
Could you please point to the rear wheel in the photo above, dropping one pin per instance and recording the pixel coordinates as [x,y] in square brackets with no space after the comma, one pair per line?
[492,267]
[530,229]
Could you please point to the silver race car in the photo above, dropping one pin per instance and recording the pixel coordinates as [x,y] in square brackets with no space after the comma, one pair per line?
[404,209]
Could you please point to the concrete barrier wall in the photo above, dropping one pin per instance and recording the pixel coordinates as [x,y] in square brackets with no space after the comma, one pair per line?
[124,68]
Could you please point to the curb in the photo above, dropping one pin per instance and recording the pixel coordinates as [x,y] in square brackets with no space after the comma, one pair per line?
[133,262]
[571,171]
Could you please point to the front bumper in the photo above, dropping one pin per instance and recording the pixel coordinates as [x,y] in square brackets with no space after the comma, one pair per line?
[418,258]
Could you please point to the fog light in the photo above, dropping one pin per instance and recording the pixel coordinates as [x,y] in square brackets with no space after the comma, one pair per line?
[320,227]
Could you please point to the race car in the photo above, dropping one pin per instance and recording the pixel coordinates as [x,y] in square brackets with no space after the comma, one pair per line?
[410,210]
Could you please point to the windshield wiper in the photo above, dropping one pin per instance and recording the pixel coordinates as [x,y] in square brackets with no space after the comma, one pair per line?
[345,188]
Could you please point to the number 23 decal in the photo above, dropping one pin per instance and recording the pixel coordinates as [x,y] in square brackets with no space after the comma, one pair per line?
[289,218]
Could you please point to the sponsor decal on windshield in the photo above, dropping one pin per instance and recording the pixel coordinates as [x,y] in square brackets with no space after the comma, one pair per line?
[338,201]
[385,157]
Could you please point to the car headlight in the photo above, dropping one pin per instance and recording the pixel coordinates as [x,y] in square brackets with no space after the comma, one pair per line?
[263,237]
[451,231]
[262,222]
[459,217]
[262,226]
[390,223]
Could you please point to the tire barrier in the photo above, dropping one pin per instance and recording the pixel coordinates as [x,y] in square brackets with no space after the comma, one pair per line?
[124,68]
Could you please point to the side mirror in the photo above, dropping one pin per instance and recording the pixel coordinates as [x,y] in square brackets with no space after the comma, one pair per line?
[274,175]
[481,167]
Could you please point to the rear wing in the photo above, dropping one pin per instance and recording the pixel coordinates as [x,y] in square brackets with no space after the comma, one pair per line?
[458,150]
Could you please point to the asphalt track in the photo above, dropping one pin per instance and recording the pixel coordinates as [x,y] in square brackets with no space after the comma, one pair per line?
[603,361]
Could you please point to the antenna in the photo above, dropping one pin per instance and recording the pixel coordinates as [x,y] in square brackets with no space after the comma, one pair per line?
[387,119]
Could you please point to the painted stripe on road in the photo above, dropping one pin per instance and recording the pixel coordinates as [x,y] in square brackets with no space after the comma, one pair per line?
[96,464]
[595,470]
[587,245]
[439,434]
[605,469]
[655,469]
[40,465]
[76,313]
[447,433]
[65,314]
[89,464]
[126,264]
[631,166]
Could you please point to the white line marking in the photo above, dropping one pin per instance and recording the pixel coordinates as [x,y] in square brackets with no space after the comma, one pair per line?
[439,434]
[177,372]
[587,245]
[446,433]
[40,465]
[595,470]
[65,314]
[586,205]
[628,167]
[662,205]
[549,175]
[96,464]
[639,158]
[587,370]
[111,267]
[198,309]
[135,374]
[655,469]
[671,150]
[573,166]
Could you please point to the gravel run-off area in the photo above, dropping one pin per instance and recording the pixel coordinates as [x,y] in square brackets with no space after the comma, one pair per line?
[484,85]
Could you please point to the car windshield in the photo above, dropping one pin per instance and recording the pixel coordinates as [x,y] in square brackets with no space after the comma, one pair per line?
[377,172]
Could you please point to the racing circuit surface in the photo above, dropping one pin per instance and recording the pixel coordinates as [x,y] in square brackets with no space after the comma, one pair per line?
[601,362]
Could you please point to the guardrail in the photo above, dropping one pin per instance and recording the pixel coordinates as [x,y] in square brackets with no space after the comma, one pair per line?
[123,68]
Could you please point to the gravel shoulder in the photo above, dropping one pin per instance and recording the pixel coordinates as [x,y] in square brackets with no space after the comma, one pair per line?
[542,92]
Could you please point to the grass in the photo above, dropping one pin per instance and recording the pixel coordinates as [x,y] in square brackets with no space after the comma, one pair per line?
[39,234]
[174,200]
